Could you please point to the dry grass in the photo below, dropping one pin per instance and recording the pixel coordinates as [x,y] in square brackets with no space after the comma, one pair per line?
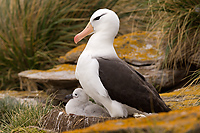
[180,22]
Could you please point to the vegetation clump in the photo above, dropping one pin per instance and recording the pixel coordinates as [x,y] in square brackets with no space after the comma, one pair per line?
[15,114]
[180,22]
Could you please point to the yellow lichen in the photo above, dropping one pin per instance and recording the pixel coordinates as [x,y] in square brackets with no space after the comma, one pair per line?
[182,98]
[63,67]
[174,121]
[138,46]
[134,46]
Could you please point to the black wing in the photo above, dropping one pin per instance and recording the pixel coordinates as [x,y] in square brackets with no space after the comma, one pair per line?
[126,85]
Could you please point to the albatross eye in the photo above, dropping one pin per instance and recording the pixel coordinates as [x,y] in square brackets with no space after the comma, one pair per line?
[97,18]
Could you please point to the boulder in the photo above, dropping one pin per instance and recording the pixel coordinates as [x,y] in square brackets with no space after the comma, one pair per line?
[182,98]
[59,80]
[139,48]
[163,80]
[61,76]
[73,55]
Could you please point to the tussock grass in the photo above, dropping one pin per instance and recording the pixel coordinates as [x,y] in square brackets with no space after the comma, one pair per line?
[180,22]
[15,114]
[33,33]
[133,15]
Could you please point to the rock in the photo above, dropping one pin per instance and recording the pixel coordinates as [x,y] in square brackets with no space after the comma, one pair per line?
[162,79]
[59,81]
[30,97]
[139,48]
[73,55]
[62,76]
[182,98]
[178,121]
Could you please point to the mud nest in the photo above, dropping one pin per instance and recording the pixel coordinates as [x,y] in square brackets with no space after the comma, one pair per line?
[58,121]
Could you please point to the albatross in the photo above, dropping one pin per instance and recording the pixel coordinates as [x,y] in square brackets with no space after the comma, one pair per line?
[106,78]
[80,105]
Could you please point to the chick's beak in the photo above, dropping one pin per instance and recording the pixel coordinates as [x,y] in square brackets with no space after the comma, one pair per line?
[88,30]
[68,97]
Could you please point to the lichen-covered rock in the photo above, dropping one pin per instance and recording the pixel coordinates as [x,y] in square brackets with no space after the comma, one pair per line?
[162,79]
[183,98]
[178,121]
[139,48]
[60,80]
[72,55]
[60,72]
[62,76]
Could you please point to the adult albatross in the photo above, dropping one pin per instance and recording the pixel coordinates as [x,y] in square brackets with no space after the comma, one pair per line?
[106,78]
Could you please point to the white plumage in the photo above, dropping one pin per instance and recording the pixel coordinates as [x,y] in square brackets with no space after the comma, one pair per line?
[80,105]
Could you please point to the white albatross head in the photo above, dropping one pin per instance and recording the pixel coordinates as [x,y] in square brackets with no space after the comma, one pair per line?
[103,21]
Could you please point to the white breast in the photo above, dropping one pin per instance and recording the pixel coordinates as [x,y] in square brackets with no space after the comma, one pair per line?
[87,72]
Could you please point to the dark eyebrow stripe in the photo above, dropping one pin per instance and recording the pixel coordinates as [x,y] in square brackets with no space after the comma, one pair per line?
[97,18]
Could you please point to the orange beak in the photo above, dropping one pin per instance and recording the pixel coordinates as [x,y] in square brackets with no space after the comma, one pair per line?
[88,30]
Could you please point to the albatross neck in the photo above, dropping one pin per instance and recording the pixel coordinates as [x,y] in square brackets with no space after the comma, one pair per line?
[101,45]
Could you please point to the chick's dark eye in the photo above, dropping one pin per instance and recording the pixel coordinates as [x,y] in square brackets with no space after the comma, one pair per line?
[75,94]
